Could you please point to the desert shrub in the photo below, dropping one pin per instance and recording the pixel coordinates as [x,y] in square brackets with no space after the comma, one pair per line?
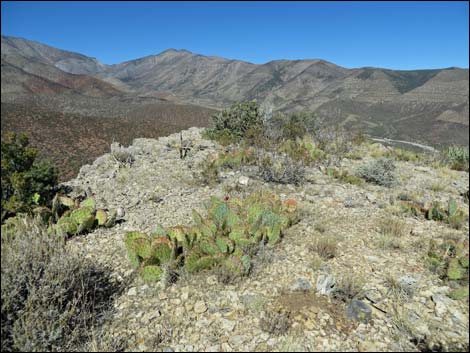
[275,321]
[301,150]
[457,157]
[335,142]
[121,154]
[380,172]
[280,168]
[50,297]
[26,181]
[225,240]
[233,123]
[280,127]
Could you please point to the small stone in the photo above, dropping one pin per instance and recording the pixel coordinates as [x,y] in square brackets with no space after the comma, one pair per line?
[200,307]
[228,325]
[325,284]
[214,348]
[132,291]
[301,284]
[226,347]
[236,340]
[309,325]
[359,311]
[120,212]
[243,180]
[441,304]
[211,280]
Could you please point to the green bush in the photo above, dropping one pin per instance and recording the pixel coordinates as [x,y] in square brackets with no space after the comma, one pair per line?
[295,125]
[457,157]
[231,125]
[51,298]
[380,172]
[26,181]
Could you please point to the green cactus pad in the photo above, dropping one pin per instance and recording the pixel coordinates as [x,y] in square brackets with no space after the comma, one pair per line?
[151,273]
[86,224]
[67,225]
[162,249]
[81,214]
[66,201]
[177,233]
[463,261]
[88,202]
[460,293]
[138,245]
[111,219]
[209,247]
[274,234]
[454,270]
[452,207]
[225,245]
[101,217]
[195,262]
[197,218]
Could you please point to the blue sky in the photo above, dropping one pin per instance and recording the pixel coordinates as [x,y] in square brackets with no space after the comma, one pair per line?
[397,35]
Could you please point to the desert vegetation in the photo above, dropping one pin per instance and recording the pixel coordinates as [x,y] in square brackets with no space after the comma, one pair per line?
[263,217]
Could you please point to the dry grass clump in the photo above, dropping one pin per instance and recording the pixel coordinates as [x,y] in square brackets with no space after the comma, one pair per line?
[50,297]
[349,287]
[393,227]
[391,230]
[399,289]
[325,247]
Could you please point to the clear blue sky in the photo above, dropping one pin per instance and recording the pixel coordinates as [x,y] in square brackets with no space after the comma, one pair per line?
[398,35]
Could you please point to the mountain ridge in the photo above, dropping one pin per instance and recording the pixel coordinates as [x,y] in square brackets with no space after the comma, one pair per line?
[429,105]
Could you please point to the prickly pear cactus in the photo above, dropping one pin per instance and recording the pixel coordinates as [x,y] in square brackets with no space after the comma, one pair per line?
[225,239]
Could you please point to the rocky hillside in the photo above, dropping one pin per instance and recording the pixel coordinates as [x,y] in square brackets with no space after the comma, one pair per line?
[428,106]
[350,239]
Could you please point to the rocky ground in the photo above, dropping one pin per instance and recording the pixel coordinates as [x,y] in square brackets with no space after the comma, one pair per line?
[279,307]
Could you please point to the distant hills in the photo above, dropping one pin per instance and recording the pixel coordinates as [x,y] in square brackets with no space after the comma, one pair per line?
[428,106]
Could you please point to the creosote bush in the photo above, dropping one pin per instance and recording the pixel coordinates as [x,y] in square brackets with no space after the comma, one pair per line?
[51,298]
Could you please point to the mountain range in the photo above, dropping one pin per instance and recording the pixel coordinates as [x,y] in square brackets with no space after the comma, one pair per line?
[427,106]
